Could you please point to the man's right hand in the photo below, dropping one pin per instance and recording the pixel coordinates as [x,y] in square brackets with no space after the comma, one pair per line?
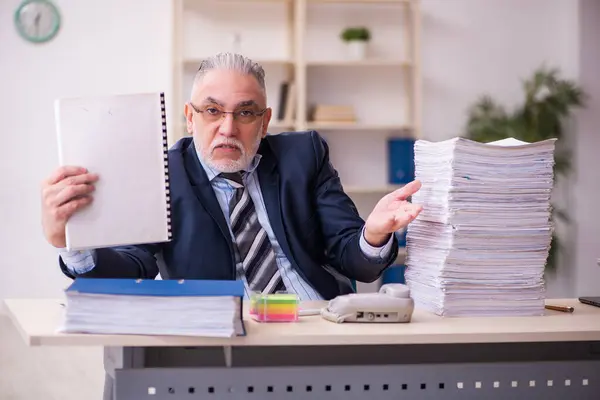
[67,190]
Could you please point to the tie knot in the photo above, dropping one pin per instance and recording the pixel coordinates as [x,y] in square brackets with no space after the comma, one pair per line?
[233,176]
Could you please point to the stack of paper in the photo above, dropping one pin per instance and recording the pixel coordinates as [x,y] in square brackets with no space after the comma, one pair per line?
[154,307]
[480,245]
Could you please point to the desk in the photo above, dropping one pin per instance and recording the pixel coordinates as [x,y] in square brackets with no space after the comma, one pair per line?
[553,356]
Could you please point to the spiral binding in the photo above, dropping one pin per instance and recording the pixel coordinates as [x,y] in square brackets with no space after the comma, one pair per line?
[166,164]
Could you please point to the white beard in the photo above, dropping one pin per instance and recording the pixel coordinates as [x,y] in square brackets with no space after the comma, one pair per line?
[228,165]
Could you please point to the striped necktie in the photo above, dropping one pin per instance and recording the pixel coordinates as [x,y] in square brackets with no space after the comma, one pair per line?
[252,242]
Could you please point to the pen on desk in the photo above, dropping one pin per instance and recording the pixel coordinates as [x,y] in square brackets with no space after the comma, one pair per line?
[560,308]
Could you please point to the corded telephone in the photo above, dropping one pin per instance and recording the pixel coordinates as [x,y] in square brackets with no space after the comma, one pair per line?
[391,304]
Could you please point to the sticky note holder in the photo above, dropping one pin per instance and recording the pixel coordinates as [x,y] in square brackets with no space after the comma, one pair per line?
[277,307]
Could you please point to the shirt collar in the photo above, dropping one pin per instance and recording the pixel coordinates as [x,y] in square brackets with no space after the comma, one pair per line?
[213,173]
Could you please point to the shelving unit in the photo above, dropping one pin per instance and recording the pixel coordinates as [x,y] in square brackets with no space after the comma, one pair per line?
[299,41]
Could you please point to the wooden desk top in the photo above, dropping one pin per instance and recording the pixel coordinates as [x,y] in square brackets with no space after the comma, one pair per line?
[38,319]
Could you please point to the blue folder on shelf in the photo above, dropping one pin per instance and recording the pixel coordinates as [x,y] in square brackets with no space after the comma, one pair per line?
[401,236]
[394,274]
[155,307]
[401,160]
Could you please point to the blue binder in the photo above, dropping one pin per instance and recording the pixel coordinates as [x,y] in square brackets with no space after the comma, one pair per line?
[394,274]
[152,287]
[401,236]
[163,288]
[401,160]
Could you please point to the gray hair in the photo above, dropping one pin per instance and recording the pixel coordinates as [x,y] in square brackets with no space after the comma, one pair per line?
[232,61]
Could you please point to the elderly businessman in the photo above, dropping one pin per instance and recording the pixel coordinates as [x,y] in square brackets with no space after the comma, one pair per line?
[266,209]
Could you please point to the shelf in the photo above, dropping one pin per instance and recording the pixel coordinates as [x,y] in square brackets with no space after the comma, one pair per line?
[194,2]
[195,61]
[371,189]
[280,125]
[361,1]
[355,126]
[375,62]
[293,61]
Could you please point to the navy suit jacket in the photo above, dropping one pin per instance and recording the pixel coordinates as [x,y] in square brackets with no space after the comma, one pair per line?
[315,222]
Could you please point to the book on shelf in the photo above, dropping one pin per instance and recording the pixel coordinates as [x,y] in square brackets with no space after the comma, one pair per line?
[286,111]
[283,93]
[154,307]
[328,114]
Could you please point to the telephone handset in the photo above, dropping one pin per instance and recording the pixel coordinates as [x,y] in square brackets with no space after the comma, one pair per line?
[391,304]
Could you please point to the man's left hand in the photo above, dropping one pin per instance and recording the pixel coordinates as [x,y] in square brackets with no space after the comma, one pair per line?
[392,213]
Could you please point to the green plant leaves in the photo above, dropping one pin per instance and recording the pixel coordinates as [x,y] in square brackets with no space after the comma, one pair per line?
[355,33]
[548,101]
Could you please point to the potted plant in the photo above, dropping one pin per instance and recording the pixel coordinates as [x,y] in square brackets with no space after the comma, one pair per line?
[356,39]
[549,101]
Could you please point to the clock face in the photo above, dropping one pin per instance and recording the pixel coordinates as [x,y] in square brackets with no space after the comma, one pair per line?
[37,20]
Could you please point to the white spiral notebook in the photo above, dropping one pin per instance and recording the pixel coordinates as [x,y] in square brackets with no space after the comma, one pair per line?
[123,139]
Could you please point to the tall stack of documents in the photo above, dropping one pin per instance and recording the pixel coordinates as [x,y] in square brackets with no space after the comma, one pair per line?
[480,245]
[154,307]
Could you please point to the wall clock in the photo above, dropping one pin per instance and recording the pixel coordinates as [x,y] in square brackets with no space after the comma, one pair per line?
[37,21]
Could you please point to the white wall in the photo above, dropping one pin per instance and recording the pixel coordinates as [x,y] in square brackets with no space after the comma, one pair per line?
[107,46]
[468,47]
[586,195]
[473,47]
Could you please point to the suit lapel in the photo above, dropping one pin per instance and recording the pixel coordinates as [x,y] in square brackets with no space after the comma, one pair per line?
[268,177]
[204,191]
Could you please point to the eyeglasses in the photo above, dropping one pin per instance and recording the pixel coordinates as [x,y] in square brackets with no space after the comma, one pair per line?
[212,114]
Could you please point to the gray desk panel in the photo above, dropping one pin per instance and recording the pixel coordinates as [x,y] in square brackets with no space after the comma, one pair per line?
[450,371]
[527,380]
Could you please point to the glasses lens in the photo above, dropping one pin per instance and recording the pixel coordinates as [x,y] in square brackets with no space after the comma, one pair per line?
[211,114]
[246,116]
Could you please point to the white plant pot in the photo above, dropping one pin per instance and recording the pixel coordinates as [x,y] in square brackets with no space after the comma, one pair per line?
[356,49]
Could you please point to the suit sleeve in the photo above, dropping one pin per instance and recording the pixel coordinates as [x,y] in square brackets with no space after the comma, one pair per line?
[341,223]
[137,262]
